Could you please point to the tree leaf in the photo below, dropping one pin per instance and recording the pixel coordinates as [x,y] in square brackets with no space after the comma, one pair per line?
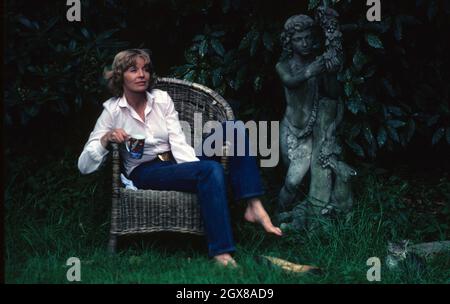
[368,135]
[352,105]
[203,77]
[190,76]
[85,32]
[255,42]
[355,105]
[203,48]
[348,88]
[190,57]
[218,47]
[72,45]
[267,41]
[355,130]
[78,102]
[257,84]
[374,41]
[356,148]
[359,60]
[51,23]
[395,110]
[245,42]
[370,72]
[313,4]
[396,123]
[198,38]
[381,137]
[25,21]
[392,132]
[217,77]
[411,130]
[438,135]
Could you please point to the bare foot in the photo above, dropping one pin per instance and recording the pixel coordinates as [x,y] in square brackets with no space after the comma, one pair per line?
[225,259]
[255,213]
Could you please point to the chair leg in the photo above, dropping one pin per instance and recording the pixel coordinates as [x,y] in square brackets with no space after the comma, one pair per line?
[112,245]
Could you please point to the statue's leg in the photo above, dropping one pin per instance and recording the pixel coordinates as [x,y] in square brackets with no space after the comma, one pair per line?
[284,133]
[297,170]
[342,194]
[321,178]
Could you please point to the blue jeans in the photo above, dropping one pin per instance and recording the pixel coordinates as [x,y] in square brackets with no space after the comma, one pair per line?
[208,180]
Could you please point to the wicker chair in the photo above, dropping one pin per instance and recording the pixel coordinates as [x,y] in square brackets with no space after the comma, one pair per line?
[145,211]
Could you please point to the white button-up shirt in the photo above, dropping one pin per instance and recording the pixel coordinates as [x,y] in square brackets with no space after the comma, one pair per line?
[161,128]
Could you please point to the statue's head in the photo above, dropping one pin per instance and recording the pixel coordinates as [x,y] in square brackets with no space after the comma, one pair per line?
[298,36]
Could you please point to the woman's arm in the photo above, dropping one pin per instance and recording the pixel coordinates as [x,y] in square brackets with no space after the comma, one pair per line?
[95,151]
[181,151]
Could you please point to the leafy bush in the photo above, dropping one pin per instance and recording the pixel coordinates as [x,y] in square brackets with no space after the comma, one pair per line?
[394,85]
[53,65]
[395,77]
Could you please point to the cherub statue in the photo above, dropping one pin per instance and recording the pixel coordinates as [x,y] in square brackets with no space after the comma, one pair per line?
[307,69]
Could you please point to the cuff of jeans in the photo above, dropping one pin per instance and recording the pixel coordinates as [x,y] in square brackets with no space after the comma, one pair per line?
[249,195]
[221,251]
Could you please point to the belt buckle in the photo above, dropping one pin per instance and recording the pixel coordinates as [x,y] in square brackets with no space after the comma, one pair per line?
[164,156]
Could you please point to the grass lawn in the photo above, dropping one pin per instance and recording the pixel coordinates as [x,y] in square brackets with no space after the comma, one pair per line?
[53,213]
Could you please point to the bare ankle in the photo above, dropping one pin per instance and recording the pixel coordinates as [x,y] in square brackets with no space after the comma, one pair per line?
[253,202]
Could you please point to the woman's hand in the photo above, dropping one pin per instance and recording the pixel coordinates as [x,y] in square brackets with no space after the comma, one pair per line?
[116,136]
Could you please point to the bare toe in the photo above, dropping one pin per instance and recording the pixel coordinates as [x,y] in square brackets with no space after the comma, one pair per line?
[257,214]
[225,261]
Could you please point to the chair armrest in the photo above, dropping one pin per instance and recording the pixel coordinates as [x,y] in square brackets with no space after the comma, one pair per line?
[225,154]
[116,184]
[115,166]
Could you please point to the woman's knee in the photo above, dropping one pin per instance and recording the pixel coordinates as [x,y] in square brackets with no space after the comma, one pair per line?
[213,169]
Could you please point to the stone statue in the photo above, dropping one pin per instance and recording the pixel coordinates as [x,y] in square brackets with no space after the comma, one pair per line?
[312,56]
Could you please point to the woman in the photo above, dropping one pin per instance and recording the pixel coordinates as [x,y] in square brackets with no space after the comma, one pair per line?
[139,109]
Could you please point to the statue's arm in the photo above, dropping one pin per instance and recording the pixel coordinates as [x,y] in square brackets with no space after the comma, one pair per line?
[333,55]
[291,81]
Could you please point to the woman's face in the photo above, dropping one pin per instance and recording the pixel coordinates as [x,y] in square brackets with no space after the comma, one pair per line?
[136,78]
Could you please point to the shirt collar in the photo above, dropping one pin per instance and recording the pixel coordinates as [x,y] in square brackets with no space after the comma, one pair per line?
[150,100]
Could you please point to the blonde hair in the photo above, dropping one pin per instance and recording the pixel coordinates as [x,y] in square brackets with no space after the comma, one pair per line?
[122,61]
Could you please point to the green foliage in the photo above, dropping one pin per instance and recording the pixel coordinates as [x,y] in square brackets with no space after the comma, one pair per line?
[384,77]
[394,79]
[380,68]
[53,65]
[243,65]
[53,213]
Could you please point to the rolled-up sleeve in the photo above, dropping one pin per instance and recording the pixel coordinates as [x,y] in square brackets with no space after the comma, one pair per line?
[94,153]
[181,151]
